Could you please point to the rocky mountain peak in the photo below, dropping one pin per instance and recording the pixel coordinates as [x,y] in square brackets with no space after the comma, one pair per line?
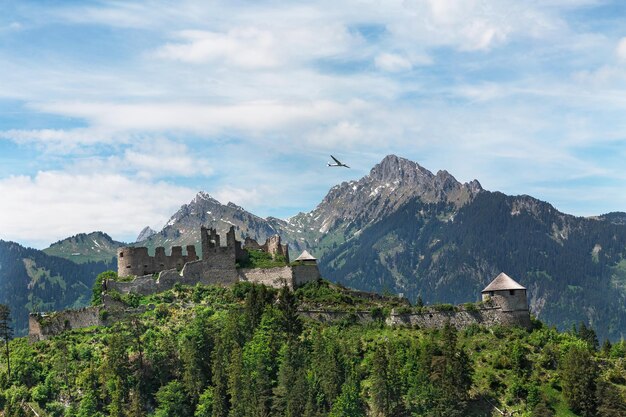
[393,168]
[145,233]
[202,197]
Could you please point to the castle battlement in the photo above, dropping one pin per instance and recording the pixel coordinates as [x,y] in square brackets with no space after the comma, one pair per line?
[136,261]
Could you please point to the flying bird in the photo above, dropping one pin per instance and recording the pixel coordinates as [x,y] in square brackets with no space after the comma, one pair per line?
[337,163]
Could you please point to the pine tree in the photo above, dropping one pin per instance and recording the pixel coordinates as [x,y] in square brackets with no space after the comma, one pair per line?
[172,401]
[205,404]
[6,332]
[288,306]
[220,377]
[236,384]
[386,392]
[290,395]
[578,375]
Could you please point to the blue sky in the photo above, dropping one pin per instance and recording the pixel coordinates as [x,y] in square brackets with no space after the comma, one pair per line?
[113,114]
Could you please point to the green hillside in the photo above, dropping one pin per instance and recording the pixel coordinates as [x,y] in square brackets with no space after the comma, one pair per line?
[244,351]
[31,281]
[83,248]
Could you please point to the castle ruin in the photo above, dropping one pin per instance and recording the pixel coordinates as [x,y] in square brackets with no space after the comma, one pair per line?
[504,300]
[219,265]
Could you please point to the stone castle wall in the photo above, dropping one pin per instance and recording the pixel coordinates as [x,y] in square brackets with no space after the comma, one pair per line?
[41,327]
[220,270]
[272,277]
[486,316]
[137,261]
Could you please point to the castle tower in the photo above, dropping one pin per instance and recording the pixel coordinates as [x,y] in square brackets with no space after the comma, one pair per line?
[209,241]
[230,237]
[506,293]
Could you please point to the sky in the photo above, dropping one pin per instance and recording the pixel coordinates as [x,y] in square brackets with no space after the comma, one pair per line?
[115,113]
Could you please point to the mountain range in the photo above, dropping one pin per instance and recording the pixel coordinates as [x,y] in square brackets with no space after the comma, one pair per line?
[403,229]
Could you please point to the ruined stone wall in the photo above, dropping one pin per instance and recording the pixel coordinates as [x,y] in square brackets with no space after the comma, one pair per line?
[272,277]
[44,326]
[136,261]
[330,316]
[218,270]
[209,241]
[490,316]
[272,245]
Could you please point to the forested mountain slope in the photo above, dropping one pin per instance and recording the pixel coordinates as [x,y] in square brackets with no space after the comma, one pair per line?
[30,281]
[244,351]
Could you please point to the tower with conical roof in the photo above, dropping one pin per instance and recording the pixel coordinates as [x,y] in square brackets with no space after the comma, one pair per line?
[506,293]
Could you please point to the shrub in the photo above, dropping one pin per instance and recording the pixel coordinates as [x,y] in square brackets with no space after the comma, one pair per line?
[377,314]
[241,289]
[132,299]
[161,311]
[444,307]
[472,329]
[96,291]
[403,310]
[471,307]
[104,315]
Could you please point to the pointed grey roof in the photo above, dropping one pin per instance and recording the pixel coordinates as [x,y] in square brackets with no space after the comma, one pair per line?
[503,282]
[305,256]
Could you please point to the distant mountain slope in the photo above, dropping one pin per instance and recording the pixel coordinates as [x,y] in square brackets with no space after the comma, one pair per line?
[616,217]
[30,280]
[82,248]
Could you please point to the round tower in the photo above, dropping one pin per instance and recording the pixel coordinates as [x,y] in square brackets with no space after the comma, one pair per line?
[506,293]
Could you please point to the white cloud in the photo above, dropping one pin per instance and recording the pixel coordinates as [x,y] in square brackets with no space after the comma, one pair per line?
[261,47]
[243,47]
[620,50]
[255,116]
[160,158]
[53,205]
[393,62]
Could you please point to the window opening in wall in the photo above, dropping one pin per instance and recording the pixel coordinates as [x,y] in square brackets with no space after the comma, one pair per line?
[512,292]
[121,254]
[491,293]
